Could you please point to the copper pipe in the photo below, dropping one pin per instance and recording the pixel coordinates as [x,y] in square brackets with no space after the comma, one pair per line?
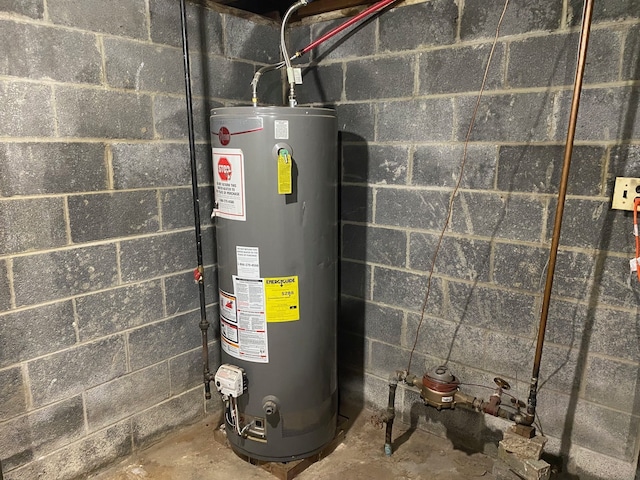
[562,194]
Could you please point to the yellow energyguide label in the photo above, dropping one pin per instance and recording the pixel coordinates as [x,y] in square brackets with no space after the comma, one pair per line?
[282,302]
[284,172]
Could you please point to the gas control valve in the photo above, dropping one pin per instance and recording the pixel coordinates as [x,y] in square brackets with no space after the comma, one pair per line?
[230,380]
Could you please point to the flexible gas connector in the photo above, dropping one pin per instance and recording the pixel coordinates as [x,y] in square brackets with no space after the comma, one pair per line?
[285,54]
[256,80]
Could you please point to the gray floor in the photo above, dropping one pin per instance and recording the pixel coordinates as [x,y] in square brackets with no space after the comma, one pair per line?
[193,454]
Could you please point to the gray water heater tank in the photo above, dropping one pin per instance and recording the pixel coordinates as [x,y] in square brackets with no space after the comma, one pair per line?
[275,204]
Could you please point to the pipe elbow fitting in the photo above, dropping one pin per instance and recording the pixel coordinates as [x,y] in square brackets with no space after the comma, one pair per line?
[525,420]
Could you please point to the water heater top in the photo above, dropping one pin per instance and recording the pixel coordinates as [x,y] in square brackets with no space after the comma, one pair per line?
[272,110]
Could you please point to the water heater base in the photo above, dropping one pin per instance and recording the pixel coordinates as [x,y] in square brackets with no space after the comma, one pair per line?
[288,470]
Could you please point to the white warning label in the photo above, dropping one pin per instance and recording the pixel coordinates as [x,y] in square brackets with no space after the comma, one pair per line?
[248,261]
[228,188]
[281,129]
[252,333]
[249,294]
[251,343]
[251,322]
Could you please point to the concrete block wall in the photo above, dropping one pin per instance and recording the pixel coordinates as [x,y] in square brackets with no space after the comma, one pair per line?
[405,85]
[99,337]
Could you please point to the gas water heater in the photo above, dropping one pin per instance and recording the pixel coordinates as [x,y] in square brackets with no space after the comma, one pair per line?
[275,192]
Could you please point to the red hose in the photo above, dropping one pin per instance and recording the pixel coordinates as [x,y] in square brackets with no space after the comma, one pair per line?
[372,9]
[636,203]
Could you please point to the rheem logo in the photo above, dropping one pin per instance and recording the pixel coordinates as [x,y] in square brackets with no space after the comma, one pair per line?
[224,169]
[224,136]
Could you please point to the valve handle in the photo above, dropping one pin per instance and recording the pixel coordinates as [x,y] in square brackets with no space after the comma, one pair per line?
[502,383]
[198,275]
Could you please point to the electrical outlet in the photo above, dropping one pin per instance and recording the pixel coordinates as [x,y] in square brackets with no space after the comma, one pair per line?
[624,192]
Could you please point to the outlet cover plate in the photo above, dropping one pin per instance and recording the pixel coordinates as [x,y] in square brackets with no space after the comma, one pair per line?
[624,192]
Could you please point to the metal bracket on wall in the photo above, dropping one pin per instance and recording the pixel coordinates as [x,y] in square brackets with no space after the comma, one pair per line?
[624,192]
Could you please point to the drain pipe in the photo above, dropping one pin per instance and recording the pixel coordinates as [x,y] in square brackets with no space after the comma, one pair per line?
[562,194]
[199,271]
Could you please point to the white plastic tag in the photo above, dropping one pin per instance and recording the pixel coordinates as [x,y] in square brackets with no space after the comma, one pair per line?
[633,264]
[297,75]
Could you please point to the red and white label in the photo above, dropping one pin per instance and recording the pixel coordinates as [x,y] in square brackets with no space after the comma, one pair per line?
[224,169]
[229,332]
[228,307]
[228,188]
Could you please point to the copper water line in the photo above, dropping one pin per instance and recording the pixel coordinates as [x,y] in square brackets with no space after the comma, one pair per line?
[562,193]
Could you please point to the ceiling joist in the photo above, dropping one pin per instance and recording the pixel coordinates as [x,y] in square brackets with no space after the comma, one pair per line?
[277,8]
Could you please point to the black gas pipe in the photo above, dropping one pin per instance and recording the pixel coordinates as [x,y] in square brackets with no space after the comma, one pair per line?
[199,272]
[390,414]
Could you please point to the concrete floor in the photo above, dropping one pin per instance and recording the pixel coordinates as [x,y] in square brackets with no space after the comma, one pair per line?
[193,454]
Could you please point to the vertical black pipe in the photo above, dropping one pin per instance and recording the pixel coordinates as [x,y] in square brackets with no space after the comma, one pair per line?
[390,416]
[204,324]
[562,194]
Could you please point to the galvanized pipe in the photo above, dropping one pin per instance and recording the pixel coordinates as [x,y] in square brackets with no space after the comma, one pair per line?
[562,194]
[199,273]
